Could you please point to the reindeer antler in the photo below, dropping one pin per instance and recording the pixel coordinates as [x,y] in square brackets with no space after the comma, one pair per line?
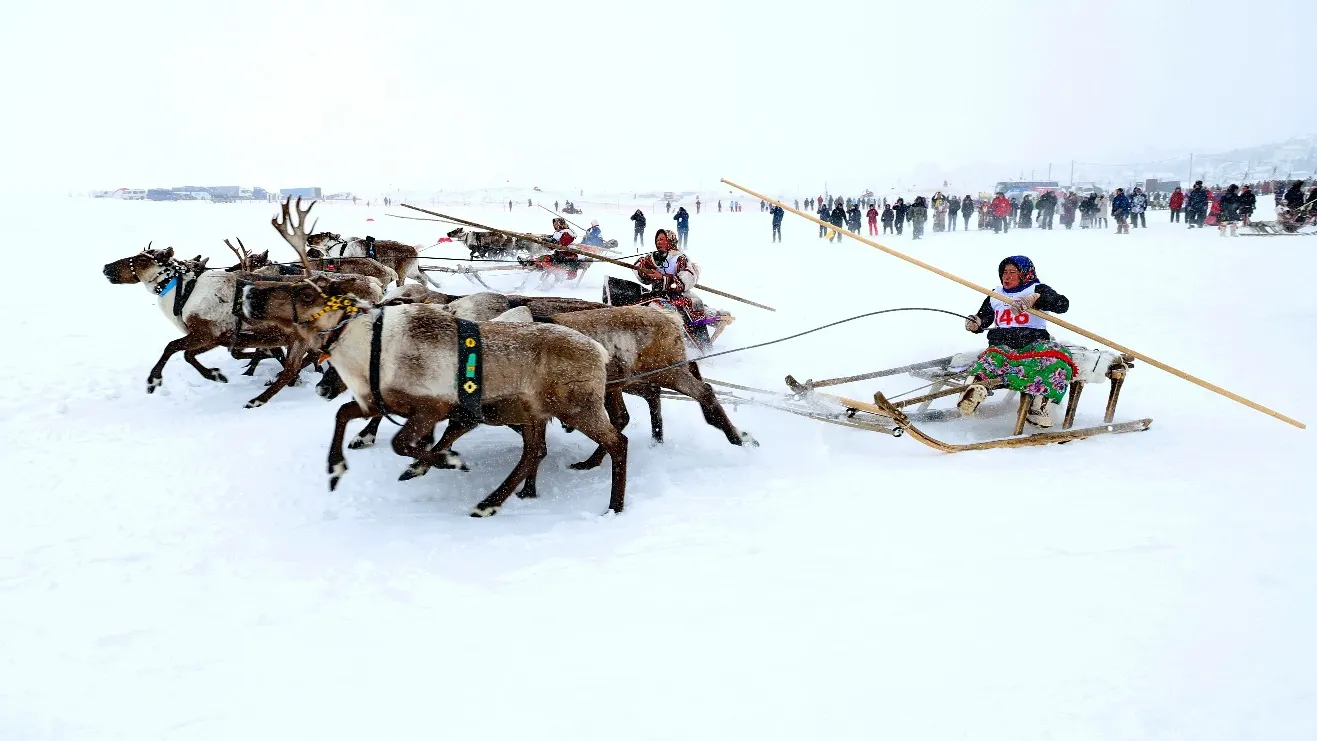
[297,237]
[242,256]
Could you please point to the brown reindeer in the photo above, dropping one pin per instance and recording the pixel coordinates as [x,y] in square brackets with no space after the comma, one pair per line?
[639,341]
[404,360]
[403,259]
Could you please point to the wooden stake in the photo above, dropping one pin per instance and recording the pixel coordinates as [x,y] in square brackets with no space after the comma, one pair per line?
[1059,322]
[573,250]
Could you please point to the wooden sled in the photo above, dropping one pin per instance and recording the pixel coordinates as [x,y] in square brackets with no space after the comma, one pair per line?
[950,375]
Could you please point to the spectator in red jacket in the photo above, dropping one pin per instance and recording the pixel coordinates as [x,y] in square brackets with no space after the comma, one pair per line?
[872,214]
[1001,212]
[1176,203]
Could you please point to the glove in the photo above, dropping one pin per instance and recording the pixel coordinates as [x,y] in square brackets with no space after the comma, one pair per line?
[973,323]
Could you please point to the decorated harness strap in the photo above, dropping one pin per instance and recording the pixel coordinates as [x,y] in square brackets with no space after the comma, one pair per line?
[470,364]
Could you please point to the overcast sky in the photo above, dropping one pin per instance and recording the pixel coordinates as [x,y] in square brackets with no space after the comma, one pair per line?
[620,95]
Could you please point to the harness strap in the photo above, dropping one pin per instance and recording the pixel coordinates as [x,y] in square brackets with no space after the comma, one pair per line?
[470,366]
[180,298]
[376,342]
[235,307]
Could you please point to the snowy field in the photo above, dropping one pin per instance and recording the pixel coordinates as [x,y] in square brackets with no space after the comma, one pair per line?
[173,566]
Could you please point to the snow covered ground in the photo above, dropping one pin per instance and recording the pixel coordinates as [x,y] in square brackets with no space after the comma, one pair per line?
[173,566]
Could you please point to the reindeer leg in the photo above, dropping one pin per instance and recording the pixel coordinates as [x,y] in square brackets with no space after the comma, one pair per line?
[338,464]
[597,427]
[366,437]
[407,441]
[652,394]
[210,374]
[253,360]
[457,427]
[529,490]
[292,367]
[189,342]
[617,416]
[683,381]
[533,439]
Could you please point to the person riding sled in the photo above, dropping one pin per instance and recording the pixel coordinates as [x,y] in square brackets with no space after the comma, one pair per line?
[1021,355]
[559,262]
[593,236]
[670,276]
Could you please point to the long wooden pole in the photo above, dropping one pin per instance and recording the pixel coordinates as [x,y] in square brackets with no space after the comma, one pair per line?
[573,250]
[1056,320]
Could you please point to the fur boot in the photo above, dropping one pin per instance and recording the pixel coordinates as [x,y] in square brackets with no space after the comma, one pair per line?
[970,399]
[1039,412]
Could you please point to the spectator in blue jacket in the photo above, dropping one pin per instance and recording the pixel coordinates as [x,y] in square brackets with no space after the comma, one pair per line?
[683,220]
[777,213]
[1120,211]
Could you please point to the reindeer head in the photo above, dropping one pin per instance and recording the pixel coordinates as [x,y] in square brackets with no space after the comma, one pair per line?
[321,240]
[308,307]
[457,233]
[145,266]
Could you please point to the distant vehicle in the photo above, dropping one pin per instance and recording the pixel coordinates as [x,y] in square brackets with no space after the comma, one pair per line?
[1154,185]
[130,194]
[1017,188]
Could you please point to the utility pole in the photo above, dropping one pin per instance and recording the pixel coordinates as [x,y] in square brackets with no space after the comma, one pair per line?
[1049,170]
[1191,167]
[1072,173]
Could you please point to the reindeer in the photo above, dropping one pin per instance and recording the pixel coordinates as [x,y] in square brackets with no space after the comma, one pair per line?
[201,304]
[403,259]
[639,341]
[404,360]
[485,245]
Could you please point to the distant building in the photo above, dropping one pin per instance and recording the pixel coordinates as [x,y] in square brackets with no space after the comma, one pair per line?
[300,192]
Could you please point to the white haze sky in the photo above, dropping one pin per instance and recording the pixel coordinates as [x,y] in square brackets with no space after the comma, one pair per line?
[624,95]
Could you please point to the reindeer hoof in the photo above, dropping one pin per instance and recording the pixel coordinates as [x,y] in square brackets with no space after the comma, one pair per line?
[454,460]
[528,492]
[415,470]
[748,439]
[362,441]
[254,404]
[215,375]
[584,466]
[154,383]
[482,511]
[336,471]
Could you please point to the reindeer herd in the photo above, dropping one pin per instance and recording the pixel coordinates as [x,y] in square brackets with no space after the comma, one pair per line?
[410,351]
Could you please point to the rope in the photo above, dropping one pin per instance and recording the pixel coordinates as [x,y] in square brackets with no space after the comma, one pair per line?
[783,339]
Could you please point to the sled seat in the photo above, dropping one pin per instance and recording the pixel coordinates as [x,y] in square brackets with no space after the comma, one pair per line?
[1094,365]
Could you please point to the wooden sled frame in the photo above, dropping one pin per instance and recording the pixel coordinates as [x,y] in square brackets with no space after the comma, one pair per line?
[950,375]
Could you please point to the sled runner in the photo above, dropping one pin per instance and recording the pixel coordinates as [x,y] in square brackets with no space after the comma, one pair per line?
[949,376]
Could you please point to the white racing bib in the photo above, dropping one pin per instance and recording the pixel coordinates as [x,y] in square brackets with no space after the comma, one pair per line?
[1004,314]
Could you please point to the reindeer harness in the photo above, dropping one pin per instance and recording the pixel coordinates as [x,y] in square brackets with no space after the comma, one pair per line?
[176,274]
